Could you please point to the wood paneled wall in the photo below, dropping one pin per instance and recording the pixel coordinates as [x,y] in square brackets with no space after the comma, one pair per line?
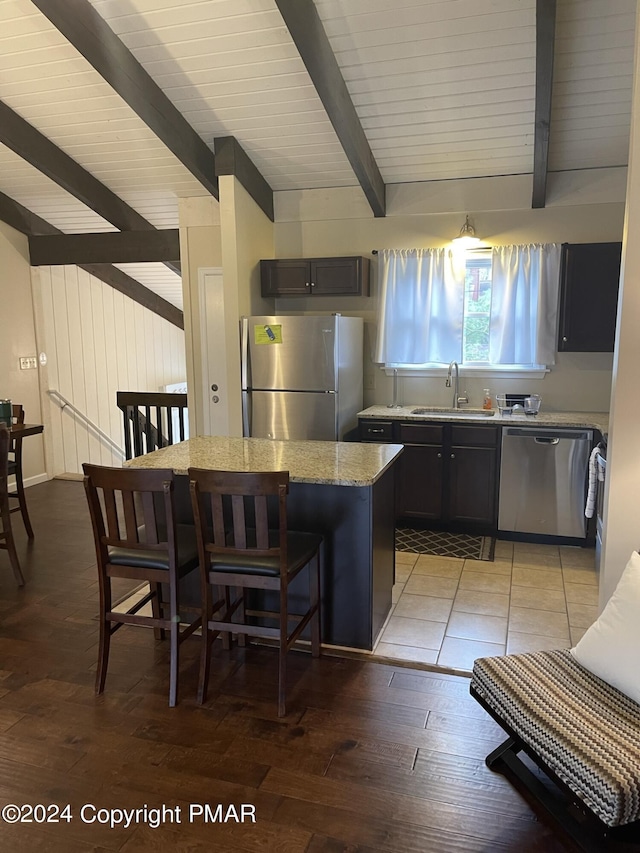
[97,342]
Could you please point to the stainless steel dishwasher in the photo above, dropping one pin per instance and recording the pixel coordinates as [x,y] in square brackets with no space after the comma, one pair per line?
[543,475]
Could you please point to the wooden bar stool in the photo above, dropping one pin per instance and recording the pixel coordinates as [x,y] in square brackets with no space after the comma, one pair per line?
[15,470]
[6,534]
[239,551]
[136,537]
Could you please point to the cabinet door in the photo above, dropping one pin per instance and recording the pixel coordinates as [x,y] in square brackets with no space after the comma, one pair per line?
[589,282]
[419,482]
[285,277]
[340,276]
[472,478]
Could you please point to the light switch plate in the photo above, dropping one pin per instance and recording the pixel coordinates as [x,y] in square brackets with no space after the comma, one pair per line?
[28,363]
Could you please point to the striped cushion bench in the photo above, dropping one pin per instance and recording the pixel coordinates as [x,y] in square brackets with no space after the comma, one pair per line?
[571,723]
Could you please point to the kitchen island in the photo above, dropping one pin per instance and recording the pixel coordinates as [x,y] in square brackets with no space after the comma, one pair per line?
[343,490]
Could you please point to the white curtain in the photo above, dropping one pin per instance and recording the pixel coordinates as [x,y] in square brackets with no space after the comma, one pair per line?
[421,306]
[524,304]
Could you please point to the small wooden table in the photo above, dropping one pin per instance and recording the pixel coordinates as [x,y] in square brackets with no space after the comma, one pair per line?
[23,430]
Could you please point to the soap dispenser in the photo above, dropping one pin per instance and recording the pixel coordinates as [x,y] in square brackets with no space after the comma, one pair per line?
[486,399]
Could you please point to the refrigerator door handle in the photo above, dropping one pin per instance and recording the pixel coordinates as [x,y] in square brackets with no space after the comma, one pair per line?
[246,424]
[244,354]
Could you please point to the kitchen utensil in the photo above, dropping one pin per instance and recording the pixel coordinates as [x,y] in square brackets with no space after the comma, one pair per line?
[532,404]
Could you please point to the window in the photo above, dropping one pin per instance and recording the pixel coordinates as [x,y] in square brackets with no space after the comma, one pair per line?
[491,310]
[476,321]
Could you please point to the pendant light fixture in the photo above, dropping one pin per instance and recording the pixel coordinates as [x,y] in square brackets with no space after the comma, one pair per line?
[466,239]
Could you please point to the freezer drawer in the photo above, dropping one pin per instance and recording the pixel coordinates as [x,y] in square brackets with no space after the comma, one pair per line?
[295,415]
[543,477]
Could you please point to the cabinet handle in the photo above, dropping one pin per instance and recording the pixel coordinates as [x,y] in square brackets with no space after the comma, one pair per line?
[375,431]
[565,339]
[313,284]
[306,284]
[453,455]
[439,455]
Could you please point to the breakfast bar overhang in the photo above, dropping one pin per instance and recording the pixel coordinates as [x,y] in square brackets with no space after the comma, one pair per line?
[343,490]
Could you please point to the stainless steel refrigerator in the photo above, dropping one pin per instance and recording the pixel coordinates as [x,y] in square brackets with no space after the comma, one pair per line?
[301,376]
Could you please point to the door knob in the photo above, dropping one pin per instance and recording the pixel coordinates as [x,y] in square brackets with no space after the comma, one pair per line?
[214,387]
[215,398]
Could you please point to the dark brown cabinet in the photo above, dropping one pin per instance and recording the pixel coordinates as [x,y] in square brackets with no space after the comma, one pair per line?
[315,277]
[447,474]
[589,279]
[473,474]
[420,471]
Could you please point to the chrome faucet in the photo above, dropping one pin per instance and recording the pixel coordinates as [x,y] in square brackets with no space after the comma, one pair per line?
[457,399]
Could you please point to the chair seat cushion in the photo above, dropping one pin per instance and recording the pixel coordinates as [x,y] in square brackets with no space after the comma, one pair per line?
[583,729]
[141,558]
[301,547]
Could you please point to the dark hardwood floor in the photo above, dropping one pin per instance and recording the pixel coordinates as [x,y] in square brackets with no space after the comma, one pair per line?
[371,757]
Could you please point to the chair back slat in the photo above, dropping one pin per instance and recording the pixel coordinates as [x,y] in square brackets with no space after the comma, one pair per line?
[262,522]
[239,530]
[111,513]
[217,517]
[130,516]
[149,517]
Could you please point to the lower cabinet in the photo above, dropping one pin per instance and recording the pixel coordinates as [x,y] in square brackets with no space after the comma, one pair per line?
[447,474]
[419,482]
[472,487]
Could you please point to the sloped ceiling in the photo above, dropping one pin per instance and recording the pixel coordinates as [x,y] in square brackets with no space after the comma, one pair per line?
[442,90]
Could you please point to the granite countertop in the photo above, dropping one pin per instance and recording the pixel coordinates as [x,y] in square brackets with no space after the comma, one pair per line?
[584,420]
[322,462]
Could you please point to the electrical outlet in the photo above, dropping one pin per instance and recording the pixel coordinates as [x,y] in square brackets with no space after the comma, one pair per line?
[29,363]
[369,382]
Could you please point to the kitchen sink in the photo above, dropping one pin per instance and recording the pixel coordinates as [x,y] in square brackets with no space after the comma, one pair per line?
[458,413]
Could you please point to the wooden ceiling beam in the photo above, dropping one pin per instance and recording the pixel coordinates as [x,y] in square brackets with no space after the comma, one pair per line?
[29,223]
[119,247]
[305,27]
[545,42]
[28,143]
[91,36]
[232,159]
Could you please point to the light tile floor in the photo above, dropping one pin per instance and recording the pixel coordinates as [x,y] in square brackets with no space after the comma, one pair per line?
[449,611]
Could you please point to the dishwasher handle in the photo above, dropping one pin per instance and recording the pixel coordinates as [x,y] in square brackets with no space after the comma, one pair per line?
[544,433]
[539,440]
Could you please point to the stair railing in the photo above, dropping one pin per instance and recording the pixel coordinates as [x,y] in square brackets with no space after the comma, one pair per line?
[63,403]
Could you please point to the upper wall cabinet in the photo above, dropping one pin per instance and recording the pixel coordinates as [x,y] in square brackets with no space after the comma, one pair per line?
[589,279]
[315,277]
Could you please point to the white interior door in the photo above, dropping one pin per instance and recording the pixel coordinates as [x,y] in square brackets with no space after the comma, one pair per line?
[214,352]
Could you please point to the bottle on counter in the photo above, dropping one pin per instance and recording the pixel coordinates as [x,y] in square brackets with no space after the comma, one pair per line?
[487,402]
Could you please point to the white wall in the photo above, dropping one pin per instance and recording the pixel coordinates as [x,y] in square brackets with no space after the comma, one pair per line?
[200,247]
[247,236]
[582,207]
[622,491]
[18,338]
[97,342]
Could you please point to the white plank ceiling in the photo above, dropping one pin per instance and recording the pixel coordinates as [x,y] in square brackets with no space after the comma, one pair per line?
[443,90]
